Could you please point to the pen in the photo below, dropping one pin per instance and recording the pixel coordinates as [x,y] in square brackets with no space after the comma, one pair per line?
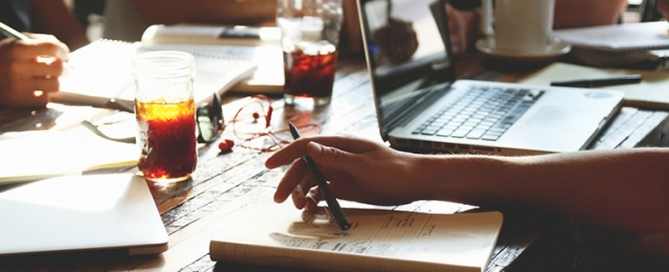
[10,32]
[335,209]
[599,82]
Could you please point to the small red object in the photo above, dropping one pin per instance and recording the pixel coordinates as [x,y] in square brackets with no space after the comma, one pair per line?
[256,115]
[226,145]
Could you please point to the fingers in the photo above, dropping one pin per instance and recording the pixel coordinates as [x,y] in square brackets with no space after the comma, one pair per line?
[44,45]
[298,149]
[291,180]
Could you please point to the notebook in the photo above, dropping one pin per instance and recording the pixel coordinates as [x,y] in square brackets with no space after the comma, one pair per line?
[81,213]
[262,45]
[618,37]
[103,70]
[421,107]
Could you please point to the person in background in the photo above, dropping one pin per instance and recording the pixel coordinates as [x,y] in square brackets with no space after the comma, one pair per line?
[30,69]
[623,190]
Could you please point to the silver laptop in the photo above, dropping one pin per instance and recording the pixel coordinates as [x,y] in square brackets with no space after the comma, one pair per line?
[420,107]
[81,213]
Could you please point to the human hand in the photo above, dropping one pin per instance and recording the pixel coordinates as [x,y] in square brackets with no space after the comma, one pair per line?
[357,169]
[29,70]
[462,27]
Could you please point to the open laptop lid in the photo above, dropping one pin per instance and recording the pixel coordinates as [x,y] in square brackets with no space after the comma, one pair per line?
[405,46]
[81,213]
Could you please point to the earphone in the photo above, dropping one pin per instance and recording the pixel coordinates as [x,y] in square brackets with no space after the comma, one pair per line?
[266,111]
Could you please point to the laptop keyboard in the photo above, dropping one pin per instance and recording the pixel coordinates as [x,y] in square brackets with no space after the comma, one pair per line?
[481,113]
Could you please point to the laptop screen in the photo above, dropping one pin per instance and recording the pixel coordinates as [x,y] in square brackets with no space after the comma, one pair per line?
[404,42]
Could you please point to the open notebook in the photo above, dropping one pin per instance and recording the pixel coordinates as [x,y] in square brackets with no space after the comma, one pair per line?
[81,213]
[103,69]
[379,240]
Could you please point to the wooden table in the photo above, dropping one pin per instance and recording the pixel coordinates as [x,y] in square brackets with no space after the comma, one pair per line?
[222,183]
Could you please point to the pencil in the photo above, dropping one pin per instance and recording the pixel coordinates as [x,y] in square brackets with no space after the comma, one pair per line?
[335,210]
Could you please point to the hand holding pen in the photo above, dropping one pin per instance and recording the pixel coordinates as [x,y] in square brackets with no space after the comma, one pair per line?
[29,68]
[335,210]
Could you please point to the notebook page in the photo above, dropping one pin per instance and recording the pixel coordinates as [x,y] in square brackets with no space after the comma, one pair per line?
[104,69]
[461,240]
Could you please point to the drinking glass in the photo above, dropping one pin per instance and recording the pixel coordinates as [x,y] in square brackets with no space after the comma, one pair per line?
[310,36]
[165,113]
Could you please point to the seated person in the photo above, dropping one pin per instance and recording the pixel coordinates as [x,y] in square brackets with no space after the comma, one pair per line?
[622,189]
[30,69]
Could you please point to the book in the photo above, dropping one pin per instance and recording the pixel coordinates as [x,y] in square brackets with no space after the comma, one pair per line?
[651,92]
[618,37]
[278,235]
[103,70]
[262,45]
[212,34]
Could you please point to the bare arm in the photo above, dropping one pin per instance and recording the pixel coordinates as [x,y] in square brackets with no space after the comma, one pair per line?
[54,17]
[249,12]
[622,189]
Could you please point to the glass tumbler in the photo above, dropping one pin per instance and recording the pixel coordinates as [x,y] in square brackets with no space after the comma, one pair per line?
[165,113]
[309,38]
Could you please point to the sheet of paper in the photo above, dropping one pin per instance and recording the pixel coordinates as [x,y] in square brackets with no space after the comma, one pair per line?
[652,92]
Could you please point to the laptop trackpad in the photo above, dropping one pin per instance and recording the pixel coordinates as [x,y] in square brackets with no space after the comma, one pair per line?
[567,118]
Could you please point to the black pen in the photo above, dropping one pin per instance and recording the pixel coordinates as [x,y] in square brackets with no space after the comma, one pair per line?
[599,82]
[335,210]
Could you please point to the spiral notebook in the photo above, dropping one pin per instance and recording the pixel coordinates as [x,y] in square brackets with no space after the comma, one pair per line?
[620,37]
[103,70]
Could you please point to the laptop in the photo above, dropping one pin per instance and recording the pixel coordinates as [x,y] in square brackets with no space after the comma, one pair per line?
[422,108]
[88,213]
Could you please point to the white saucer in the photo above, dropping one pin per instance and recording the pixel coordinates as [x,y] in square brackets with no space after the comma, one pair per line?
[554,49]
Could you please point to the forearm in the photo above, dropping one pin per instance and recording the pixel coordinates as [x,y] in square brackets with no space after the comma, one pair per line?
[626,189]
[249,12]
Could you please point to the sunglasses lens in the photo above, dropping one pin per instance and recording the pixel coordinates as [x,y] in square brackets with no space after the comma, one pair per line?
[209,122]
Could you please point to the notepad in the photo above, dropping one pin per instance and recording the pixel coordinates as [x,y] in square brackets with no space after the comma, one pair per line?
[34,155]
[81,213]
[651,92]
[619,37]
[379,240]
[104,69]
[262,45]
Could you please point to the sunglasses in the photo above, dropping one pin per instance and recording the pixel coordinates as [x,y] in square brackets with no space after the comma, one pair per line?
[208,118]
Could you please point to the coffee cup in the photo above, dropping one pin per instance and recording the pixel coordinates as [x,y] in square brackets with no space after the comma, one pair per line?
[519,26]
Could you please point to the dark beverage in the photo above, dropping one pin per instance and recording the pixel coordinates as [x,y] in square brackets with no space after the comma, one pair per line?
[310,71]
[167,139]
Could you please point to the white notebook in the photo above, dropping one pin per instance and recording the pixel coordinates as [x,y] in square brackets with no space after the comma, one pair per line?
[103,69]
[619,37]
[81,213]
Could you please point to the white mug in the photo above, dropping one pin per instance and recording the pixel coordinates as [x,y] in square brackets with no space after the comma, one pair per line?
[518,25]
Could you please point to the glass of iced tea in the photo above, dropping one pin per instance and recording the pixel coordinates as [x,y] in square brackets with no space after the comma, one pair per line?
[165,113]
[310,36]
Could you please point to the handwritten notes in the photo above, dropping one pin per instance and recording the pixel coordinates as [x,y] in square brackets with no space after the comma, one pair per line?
[394,240]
